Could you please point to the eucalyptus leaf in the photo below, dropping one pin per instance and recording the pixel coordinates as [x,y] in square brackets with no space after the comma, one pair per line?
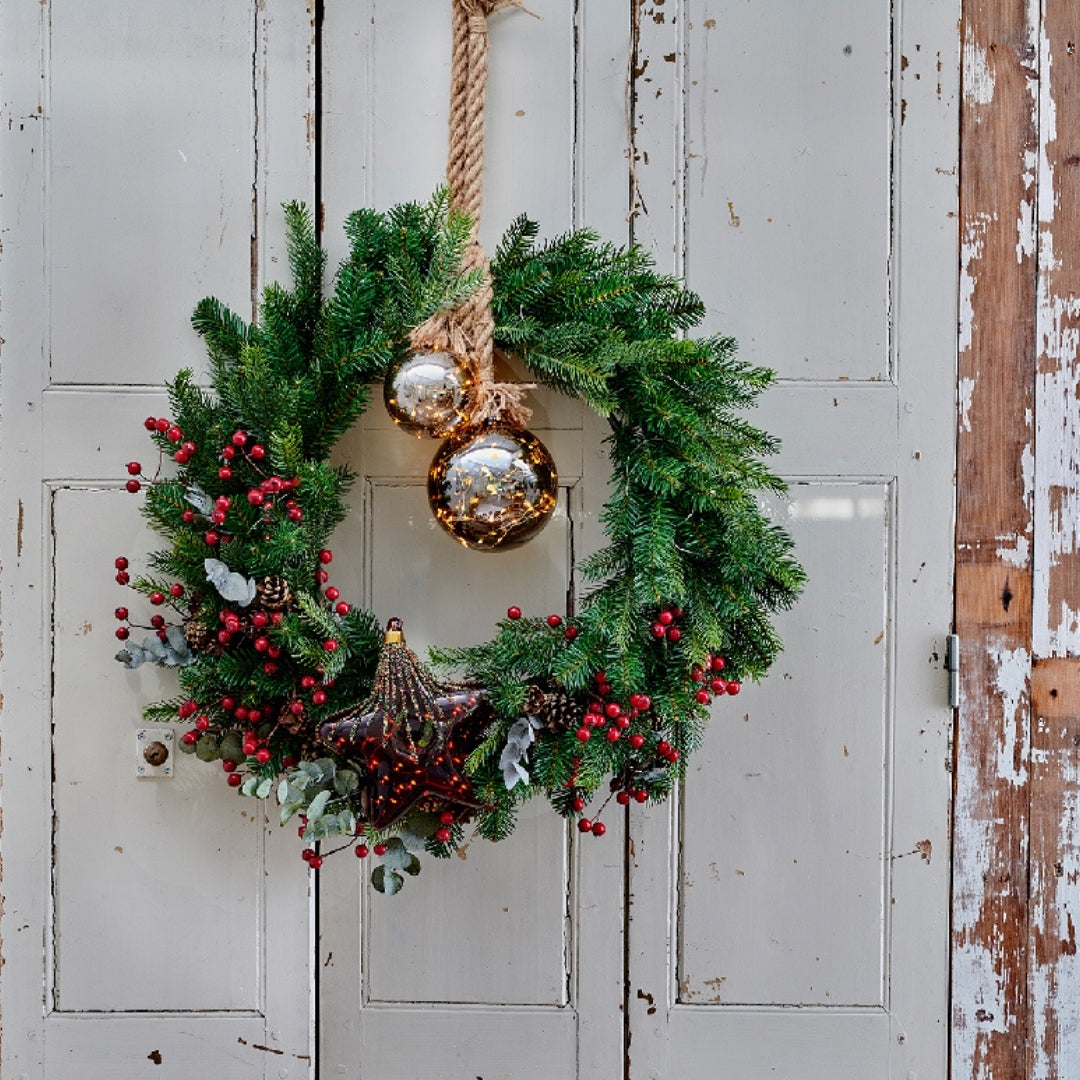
[232,746]
[318,805]
[288,810]
[327,767]
[208,748]
[346,781]
[248,786]
[397,857]
[418,828]
[233,587]
[200,500]
[386,881]
[264,788]
[412,867]
[283,792]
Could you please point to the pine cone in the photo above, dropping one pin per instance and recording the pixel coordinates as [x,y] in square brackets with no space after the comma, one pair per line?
[273,593]
[559,711]
[199,637]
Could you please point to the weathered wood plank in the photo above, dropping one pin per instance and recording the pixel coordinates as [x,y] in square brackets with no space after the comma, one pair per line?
[994,536]
[1053,1043]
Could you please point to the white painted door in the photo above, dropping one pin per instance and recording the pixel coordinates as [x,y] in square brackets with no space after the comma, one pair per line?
[151,927]
[787,916]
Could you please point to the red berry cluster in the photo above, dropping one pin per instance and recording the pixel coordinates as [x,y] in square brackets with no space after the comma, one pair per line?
[157,622]
[615,717]
[666,626]
[712,682]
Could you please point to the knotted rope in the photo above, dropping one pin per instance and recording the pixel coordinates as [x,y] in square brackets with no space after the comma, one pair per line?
[468,330]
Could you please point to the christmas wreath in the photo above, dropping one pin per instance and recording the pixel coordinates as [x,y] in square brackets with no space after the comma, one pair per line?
[300,695]
[296,693]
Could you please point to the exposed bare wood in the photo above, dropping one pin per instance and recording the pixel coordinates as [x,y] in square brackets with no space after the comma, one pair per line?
[994,535]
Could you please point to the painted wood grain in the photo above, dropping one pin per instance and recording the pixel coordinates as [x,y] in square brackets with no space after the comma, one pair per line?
[994,536]
[1053,1042]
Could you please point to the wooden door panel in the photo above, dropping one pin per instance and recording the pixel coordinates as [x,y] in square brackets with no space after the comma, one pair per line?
[782,828]
[152,170]
[787,181]
[801,882]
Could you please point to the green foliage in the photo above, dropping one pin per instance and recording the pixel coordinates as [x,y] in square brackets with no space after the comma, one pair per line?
[687,540]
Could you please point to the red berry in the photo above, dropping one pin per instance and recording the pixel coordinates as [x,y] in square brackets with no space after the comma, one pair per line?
[133,486]
[342,608]
[150,423]
[212,538]
[584,734]
[296,514]
[637,740]
[641,796]
[235,779]
[332,593]
[232,623]
[696,673]
[584,825]
[224,473]
[161,424]
[319,697]
[262,756]
[122,632]
[644,702]
[269,668]
[174,434]
[322,577]
[277,617]
[255,497]
[673,756]
[240,713]
[446,817]
[229,765]
[379,849]
[122,578]
[570,633]
[228,452]
[703,697]
[718,685]
[218,517]
[254,715]
[258,452]
[674,634]
[578,805]
[513,613]
[121,613]
[622,722]
[330,645]
[259,620]
[663,748]
[326,556]
[262,644]
[288,762]
[623,798]
[361,851]
[120,562]
[554,620]
[315,862]
[665,617]
[157,621]
[658,630]
[612,734]
[189,738]
[604,689]
[718,663]
[599,828]
[134,468]
[188,448]
[307,854]
[202,722]
[228,704]
[442,835]
[176,589]
[249,748]
[239,438]
[733,687]
[187,517]
[613,708]
[600,677]
[157,598]
[307,682]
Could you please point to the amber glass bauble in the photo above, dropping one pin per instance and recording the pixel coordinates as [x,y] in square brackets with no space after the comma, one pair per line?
[426,393]
[493,487]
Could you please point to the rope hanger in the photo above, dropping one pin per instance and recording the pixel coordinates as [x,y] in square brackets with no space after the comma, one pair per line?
[468,331]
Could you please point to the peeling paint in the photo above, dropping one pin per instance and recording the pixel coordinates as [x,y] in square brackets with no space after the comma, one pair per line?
[1011,670]
[971,252]
[978,78]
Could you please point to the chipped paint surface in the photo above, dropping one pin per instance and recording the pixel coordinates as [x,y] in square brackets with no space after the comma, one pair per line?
[972,246]
[978,78]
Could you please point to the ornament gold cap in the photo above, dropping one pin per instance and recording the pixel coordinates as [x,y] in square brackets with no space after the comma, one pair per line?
[394,632]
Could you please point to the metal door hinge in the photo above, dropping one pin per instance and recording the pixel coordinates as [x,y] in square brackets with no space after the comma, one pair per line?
[952,665]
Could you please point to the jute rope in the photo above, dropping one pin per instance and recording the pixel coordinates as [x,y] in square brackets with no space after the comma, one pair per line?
[468,331]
